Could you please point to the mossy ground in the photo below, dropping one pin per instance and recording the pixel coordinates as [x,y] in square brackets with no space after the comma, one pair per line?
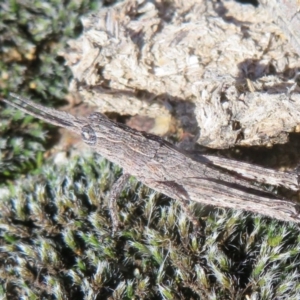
[57,243]
[31,35]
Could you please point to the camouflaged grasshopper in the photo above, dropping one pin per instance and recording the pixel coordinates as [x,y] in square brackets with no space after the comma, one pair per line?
[171,171]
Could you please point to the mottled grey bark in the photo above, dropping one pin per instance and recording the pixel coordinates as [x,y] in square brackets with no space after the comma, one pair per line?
[218,66]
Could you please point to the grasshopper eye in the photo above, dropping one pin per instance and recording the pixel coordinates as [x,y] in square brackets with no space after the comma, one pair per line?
[88,135]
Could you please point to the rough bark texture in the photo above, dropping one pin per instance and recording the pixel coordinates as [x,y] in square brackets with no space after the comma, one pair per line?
[221,67]
[286,13]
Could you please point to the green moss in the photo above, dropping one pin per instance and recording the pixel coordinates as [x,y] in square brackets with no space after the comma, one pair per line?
[32,34]
[57,243]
